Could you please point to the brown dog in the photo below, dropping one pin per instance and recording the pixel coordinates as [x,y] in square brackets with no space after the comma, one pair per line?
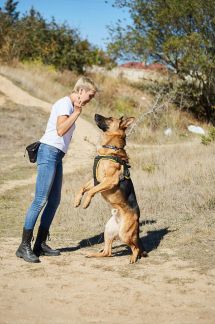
[112,179]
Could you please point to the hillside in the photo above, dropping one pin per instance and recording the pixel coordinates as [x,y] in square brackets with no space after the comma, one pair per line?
[174,182]
[117,97]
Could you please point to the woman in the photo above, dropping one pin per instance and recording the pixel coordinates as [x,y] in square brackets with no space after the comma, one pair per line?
[54,145]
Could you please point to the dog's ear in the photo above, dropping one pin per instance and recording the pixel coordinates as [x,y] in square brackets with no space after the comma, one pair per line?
[127,122]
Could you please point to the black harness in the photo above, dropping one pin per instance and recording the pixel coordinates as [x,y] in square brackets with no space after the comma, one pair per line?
[98,158]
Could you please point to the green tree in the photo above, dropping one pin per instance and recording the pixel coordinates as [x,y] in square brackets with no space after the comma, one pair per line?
[8,20]
[31,37]
[10,7]
[31,40]
[178,33]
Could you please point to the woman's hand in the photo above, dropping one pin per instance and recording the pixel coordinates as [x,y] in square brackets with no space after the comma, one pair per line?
[77,104]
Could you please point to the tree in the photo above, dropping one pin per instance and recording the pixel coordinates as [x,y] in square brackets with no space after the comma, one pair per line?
[31,37]
[30,42]
[178,33]
[8,20]
[10,9]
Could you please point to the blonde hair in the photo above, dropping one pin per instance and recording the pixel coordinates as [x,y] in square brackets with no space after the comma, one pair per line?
[85,83]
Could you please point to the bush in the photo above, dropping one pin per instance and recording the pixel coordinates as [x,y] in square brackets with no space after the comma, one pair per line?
[210,137]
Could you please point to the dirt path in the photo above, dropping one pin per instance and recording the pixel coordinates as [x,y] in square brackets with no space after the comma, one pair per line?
[73,289]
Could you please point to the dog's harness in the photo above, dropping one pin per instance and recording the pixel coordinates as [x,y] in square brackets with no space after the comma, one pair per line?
[98,158]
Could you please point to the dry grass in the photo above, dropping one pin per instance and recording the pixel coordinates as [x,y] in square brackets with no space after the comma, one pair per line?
[18,127]
[176,201]
[41,81]
[176,191]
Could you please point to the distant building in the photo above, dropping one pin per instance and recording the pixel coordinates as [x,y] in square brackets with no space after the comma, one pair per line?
[135,71]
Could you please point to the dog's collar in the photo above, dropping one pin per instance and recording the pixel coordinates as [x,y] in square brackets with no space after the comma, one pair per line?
[113,147]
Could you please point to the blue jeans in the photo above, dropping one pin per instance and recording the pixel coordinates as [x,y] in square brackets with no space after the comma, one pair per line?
[48,186]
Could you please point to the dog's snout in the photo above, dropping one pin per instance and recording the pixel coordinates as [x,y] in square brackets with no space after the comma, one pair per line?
[101,122]
[98,117]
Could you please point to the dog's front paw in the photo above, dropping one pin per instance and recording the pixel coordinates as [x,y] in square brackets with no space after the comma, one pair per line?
[85,205]
[86,202]
[77,201]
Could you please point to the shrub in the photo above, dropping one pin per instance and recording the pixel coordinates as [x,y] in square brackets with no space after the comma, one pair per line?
[207,139]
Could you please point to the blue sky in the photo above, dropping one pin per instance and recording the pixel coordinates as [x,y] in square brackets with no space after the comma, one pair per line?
[90,16]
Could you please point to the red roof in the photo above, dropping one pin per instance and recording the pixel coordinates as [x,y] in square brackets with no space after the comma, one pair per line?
[142,65]
[156,66]
[134,65]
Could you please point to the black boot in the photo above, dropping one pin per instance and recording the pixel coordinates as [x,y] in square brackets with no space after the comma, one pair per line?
[24,251]
[40,246]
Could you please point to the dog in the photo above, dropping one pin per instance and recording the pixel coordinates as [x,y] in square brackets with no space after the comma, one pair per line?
[112,180]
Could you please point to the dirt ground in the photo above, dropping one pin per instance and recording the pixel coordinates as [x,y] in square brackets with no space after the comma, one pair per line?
[74,289]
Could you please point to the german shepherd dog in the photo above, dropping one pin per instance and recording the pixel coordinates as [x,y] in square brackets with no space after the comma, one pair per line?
[112,179]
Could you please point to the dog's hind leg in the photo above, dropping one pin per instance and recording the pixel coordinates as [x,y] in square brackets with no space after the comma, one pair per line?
[137,248]
[89,185]
[129,235]
[107,252]
[136,252]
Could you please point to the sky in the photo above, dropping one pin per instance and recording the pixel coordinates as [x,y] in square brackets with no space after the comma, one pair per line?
[90,16]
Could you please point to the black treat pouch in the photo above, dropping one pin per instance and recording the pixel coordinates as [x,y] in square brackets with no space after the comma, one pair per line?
[32,150]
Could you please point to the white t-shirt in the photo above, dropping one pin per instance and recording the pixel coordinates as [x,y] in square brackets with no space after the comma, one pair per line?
[61,107]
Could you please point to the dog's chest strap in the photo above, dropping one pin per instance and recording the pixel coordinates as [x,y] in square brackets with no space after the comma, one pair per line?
[98,158]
